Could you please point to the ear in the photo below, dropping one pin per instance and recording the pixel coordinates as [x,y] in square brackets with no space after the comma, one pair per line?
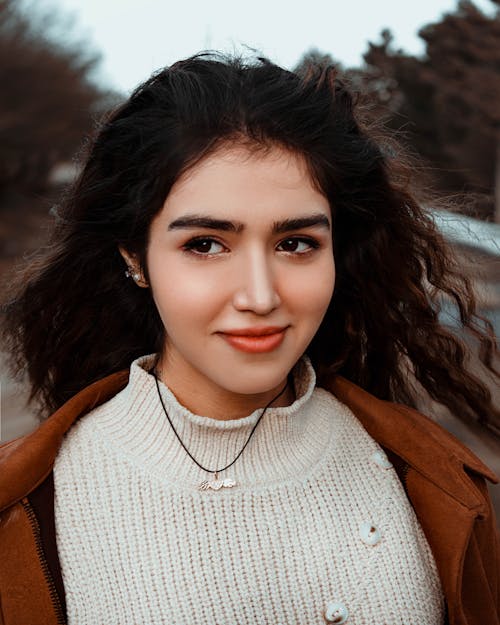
[130,260]
[133,267]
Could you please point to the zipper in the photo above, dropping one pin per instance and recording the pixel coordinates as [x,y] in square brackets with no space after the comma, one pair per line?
[56,602]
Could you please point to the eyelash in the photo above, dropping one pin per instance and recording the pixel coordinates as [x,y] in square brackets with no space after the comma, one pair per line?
[189,246]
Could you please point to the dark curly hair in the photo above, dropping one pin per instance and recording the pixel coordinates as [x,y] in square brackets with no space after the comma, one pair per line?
[76,319]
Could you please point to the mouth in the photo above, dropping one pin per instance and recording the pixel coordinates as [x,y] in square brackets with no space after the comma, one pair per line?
[255,340]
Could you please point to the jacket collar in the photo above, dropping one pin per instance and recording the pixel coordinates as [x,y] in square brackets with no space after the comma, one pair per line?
[26,461]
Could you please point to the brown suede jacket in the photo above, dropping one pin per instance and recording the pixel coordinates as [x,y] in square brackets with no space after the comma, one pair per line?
[443,480]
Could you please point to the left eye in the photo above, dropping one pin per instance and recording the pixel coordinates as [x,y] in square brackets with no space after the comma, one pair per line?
[298,246]
[204,247]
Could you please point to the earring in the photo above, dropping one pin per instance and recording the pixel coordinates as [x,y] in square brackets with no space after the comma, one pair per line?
[130,273]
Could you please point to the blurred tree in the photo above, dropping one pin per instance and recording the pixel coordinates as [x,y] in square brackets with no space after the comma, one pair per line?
[47,99]
[451,97]
[447,103]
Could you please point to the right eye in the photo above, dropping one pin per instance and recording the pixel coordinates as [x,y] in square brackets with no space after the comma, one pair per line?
[203,246]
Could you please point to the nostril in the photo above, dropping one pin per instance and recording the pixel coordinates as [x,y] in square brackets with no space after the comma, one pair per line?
[257,302]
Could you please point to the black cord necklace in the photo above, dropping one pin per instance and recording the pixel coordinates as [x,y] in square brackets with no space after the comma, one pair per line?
[215,484]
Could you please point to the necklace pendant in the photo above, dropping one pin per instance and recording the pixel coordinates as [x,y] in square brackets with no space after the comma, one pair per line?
[217,484]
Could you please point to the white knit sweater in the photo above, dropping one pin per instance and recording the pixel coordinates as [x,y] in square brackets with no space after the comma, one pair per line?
[318,524]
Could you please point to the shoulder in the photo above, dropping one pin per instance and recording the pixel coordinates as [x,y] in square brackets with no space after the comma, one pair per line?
[415,437]
[438,466]
[26,461]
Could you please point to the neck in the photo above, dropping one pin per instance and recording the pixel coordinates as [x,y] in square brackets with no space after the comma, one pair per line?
[206,399]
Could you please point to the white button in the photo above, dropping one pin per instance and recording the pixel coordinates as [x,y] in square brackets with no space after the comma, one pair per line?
[336,613]
[369,533]
[381,460]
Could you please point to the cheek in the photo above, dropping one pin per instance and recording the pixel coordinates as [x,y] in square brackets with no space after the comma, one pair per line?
[184,297]
[311,294]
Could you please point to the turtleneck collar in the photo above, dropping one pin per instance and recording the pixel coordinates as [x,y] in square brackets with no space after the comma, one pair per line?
[303,377]
[287,441]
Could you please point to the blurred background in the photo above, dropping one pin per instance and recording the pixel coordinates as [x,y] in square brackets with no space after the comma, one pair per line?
[430,70]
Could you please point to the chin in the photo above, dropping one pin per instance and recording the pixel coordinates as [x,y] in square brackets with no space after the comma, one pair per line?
[256,385]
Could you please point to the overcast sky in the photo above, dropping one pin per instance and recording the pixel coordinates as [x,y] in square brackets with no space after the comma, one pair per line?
[137,37]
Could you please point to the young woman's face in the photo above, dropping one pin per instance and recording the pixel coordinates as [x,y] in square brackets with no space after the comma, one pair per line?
[243,245]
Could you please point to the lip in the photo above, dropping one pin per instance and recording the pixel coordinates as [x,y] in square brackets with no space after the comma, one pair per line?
[253,343]
[262,331]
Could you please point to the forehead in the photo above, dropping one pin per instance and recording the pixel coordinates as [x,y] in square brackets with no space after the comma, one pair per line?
[235,181]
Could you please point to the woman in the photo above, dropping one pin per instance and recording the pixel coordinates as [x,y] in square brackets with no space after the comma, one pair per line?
[240,290]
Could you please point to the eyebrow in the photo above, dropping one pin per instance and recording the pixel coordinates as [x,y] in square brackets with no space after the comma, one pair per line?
[279,227]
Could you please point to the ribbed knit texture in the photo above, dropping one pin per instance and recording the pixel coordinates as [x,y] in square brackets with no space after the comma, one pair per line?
[140,544]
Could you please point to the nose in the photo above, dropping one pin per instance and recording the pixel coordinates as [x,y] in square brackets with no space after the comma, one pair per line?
[256,285]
